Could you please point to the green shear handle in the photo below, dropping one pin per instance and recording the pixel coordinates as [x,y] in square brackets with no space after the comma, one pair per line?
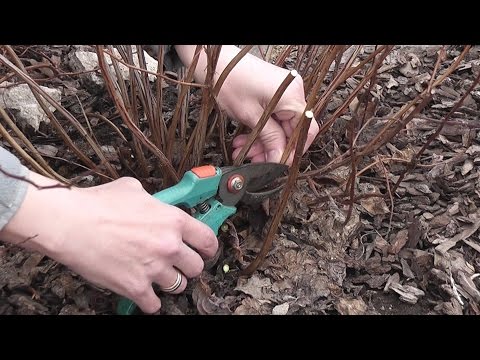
[198,187]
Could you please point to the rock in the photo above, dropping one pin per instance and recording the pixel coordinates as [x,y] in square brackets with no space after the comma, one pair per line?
[86,61]
[21,99]
[81,60]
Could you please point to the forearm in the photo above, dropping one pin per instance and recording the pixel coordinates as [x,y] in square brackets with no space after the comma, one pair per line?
[186,53]
[39,222]
[12,190]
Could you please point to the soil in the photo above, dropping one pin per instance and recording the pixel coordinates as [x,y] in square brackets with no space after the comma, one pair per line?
[374,264]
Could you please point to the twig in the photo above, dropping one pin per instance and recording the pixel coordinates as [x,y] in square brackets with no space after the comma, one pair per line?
[198,137]
[26,240]
[112,125]
[229,68]
[88,170]
[22,178]
[390,194]
[221,129]
[265,116]
[304,123]
[343,76]
[178,108]
[40,164]
[166,78]
[128,121]
[439,129]
[33,86]
[159,128]
[283,56]
[352,177]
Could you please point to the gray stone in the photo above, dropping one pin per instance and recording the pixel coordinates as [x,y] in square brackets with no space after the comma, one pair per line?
[21,99]
[82,60]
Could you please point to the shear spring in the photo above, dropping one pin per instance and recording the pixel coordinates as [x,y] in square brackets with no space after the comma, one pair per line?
[203,207]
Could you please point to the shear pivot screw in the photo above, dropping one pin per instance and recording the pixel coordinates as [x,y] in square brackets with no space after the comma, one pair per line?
[235,183]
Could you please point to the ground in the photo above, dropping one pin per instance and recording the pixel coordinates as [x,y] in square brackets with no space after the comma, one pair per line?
[422,258]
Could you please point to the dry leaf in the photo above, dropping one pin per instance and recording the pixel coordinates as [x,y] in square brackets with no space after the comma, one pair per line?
[467,167]
[374,206]
[407,272]
[409,294]
[254,286]
[391,82]
[473,150]
[400,240]
[281,309]
[351,306]
[465,234]
[47,150]
[252,306]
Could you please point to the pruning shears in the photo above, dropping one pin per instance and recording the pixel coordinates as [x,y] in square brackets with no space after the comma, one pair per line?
[213,193]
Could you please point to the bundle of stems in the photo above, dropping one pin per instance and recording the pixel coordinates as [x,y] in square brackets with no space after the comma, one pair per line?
[154,140]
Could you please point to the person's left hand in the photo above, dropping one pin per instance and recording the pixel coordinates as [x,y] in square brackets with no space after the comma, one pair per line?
[246,93]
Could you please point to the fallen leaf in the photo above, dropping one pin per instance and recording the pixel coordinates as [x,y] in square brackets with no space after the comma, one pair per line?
[351,306]
[465,234]
[281,309]
[407,272]
[473,150]
[374,206]
[467,167]
[381,244]
[472,244]
[469,286]
[440,221]
[393,279]
[392,82]
[252,306]
[400,240]
[253,286]
[409,294]
[427,215]
[452,210]
[29,264]
[47,150]
[423,188]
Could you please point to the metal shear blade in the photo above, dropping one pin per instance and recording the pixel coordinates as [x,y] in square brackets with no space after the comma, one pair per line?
[254,179]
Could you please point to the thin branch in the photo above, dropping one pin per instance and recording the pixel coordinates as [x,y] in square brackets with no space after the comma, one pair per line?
[128,121]
[265,116]
[166,78]
[292,177]
[183,91]
[40,164]
[111,124]
[36,88]
[22,178]
[437,132]
[390,194]
[229,68]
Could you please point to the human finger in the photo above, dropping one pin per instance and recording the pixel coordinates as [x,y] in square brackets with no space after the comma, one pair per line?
[189,262]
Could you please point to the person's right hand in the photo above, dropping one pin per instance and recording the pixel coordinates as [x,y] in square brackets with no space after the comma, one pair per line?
[115,235]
